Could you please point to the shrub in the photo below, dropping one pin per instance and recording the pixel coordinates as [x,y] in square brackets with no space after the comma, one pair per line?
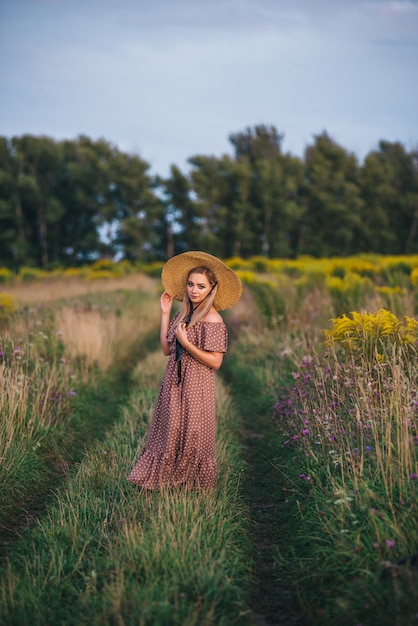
[6,275]
[31,273]
[6,307]
[269,301]
[350,292]
[151,269]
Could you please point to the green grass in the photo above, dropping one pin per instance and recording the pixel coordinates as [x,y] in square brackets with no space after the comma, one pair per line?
[272,591]
[105,554]
[333,542]
[271,545]
[50,415]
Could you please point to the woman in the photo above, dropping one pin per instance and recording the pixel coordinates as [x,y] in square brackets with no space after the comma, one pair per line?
[180,447]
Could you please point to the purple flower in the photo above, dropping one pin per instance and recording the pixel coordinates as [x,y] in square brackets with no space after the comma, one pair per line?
[413,476]
[390,543]
[305,477]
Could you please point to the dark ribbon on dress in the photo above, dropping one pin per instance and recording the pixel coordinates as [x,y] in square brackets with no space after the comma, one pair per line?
[179,347]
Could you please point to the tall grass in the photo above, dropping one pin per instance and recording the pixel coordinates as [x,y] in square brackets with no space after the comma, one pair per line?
[35,400]
[43,367]
[346,463]
[351,418]
[106,553]
[99,337]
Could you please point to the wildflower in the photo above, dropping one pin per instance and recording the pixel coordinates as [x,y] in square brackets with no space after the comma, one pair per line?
[390,543]
[305,431]
[343,500]
[413,476]
[305,477]
[375,545]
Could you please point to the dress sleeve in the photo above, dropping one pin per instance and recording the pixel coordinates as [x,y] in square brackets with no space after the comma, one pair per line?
[214,337]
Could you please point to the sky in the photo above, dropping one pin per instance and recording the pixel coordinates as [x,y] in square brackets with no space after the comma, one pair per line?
[171,79]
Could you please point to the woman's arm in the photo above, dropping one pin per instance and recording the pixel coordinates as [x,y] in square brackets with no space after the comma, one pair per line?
[211,359]
[166,302]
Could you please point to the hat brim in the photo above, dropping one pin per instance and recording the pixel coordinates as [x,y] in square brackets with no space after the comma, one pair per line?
[175,271]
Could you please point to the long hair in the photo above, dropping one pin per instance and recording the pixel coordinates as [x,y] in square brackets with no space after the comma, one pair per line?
[206,305]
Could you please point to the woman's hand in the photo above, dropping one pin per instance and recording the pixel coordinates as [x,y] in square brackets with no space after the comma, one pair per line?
[166,302]
[181,334]
[211,359]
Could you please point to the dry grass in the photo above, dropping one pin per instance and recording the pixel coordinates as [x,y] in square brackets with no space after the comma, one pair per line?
[56,289]
[96,337]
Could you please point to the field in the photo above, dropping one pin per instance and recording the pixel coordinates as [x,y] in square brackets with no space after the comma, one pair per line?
[315,517]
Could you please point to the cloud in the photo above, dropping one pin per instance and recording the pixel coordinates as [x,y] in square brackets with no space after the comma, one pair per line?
[172,78]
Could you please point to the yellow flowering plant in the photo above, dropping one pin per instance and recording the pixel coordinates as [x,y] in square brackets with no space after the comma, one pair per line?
[373,334]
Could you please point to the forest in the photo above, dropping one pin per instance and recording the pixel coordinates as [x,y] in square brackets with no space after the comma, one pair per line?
[67,203]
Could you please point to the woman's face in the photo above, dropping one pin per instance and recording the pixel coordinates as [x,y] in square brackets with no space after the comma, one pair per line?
[197,287]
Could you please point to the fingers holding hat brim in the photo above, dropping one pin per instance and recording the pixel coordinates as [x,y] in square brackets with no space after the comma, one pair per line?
[175,272]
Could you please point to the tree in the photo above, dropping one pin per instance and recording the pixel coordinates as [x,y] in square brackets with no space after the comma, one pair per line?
[13,242]
[182,217]
[389,187]
[333,202]
[260,142]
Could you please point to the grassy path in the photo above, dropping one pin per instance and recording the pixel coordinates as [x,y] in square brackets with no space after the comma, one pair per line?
[272,599]
[93,411]
[101,552]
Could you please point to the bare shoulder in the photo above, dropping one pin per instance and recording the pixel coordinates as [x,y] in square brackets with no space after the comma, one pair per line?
[213,317]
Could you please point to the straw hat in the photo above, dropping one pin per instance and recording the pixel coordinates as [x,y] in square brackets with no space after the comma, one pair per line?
[175,272]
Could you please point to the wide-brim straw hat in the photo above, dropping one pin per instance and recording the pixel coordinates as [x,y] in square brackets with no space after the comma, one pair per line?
[176,270]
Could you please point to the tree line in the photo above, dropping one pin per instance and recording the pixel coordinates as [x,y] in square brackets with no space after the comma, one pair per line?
[64,203]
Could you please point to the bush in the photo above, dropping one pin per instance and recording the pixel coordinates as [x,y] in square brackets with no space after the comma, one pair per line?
[348,293]
[6,275]
[31,273]
[6,307]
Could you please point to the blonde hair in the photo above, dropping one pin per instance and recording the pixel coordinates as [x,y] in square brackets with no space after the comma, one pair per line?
[207,304]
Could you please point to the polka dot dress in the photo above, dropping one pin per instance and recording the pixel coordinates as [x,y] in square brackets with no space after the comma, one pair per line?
[180,447]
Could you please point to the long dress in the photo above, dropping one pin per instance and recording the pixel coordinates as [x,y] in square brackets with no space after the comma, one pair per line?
[180,447]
